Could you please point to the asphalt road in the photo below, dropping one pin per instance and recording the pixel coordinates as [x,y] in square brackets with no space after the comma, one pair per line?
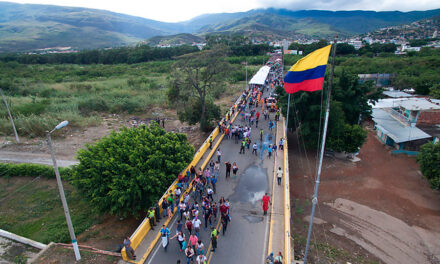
[245,239]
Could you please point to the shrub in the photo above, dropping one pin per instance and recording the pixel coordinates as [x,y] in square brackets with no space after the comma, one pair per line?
[128,171]
[91,104]
[9,170]
[429,161]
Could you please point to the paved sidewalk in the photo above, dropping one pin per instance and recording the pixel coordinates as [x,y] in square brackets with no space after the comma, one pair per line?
[276,234]
[35,158]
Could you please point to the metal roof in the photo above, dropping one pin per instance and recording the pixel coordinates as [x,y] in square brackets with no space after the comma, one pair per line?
[396,94]
[261,76]
[396,130]
[418,104]
[386,103]
[407,103]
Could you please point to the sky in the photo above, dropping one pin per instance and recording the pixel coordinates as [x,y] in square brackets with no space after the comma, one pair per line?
[180,10]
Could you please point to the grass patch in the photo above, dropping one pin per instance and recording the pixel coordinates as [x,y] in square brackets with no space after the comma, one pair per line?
[34,210]
[40,96]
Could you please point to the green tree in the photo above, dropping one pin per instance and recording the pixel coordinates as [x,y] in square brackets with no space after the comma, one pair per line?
[127,172]
[350,139]
[307,110]
[435,91]
[429,161]
[345,49]
[196,80]
[354,96]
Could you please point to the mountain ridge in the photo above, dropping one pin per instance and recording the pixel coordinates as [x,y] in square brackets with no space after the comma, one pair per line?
[27,27]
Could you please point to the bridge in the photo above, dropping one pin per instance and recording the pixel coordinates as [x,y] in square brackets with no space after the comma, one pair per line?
[251,235]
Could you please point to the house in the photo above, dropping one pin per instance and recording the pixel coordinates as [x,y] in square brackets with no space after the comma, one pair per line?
[379,79]
[396,94]
[399,122]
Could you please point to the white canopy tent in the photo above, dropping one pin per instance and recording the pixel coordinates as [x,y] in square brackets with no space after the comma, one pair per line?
[261,76]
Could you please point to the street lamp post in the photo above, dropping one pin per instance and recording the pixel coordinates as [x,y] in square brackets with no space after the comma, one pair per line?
[60,188]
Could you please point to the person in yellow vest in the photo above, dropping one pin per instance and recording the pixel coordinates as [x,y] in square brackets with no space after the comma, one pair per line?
[150,215]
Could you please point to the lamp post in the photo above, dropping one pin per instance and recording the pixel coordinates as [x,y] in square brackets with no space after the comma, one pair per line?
[60,188]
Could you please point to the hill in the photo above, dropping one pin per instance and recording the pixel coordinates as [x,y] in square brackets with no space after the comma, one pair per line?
[313,23]
[25,27]
[28,27]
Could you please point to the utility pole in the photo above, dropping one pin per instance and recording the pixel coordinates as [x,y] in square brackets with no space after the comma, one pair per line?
[10,117]
[245,84]
[61,189]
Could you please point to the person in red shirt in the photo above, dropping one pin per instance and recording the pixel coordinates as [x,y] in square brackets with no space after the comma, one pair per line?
[265,203]
[223,208]
[257,115]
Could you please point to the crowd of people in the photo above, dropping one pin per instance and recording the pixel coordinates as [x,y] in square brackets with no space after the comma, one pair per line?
[198,211]
[198,208]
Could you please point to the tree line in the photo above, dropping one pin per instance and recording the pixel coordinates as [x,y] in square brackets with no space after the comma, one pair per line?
[129,55]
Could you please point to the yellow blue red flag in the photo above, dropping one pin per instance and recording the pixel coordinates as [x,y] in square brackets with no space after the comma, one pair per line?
[308,73]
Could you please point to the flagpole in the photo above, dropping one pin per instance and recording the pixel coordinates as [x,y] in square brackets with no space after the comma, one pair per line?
[287,120]
[327,113]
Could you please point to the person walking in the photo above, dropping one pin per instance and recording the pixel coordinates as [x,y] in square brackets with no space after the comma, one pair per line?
[165,234]
[219,155]
[261,135]
[200,248]
[225,221]
[208,216]
[196,223]
[234,169]
[180,238]
[189,226]
[242,146]
[193,239]
[279,175]
[254,149]
[281,144]
[279,258]
[214,237]
[265,203]
[269,151]
[210,142]
[189,253]
[201,259]
[228,169]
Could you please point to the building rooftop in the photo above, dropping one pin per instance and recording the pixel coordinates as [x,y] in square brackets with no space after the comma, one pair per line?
[431,130]
[418,104]
[407,103]
[396,94]
[395,129]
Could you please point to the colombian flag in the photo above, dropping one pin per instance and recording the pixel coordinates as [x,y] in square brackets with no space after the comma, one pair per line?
[308,73]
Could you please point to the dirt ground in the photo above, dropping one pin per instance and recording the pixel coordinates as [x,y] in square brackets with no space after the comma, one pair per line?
[378,210]
[60,255]
[68,141]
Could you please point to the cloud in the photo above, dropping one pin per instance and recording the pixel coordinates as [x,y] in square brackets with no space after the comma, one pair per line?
[377,5]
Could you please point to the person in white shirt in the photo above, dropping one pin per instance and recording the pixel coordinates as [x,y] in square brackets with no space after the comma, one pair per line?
[219,155]
[279,175]
[201,259]
[196,223]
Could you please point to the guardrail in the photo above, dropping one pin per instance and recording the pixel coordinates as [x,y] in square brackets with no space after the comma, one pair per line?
[143,229]
[287,233]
